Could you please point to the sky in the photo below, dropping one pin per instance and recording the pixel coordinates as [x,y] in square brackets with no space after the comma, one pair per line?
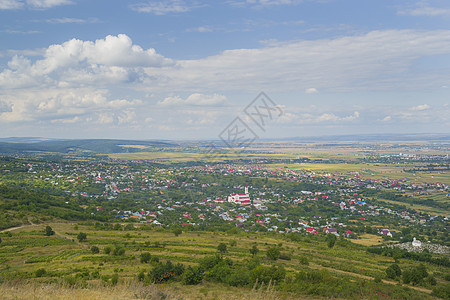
[192,69]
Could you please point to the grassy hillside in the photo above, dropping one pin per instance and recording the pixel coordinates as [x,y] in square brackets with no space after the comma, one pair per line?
[309,266]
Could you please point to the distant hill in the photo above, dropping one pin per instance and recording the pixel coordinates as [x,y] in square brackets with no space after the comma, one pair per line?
[20,145]
[375,137]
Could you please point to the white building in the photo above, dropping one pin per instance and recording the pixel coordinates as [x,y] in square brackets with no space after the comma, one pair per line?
[241,199]
[416,243]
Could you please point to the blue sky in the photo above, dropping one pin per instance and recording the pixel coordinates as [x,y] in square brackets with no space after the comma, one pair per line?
[184,69]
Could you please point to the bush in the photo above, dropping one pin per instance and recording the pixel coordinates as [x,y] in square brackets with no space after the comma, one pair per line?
[115,279]
[49,231]
[165,272]
[303,260]
[40,272]
[239,277]
[192,275]
[273,253]
[141,276]
[208,262]
[331,240]
[95,250]
[177,231]
[145,257]
[267,274]
[81,237]
[219,272]
[108,249]
[393,271]
[222,248]
[119,251]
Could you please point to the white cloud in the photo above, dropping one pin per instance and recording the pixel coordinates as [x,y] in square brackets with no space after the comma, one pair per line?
[200,29]
[265,3]
[420,107]
[311,91]
[40,4]
[57,104]
[162,7]
[195,99]
[111,60]
[10,4]
[386,119]
[343,64]
[47,3]
[71,20]
[423,8]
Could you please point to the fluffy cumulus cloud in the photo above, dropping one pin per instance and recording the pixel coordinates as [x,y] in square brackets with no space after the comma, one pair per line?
[75,82]
[195,99]
[61,104]
[110,60]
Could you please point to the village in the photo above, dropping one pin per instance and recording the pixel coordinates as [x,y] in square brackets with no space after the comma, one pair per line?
[203,197]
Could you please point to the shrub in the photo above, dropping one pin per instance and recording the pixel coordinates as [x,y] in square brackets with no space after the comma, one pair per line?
[393,271]
[267,274]
[303,260]
[239,277]
[81,237]
[119,251]
[95,250]
[108,249]
[208,262]
[145,257]
[193,275]
[115,279]
[40,272]
[165,272]
[219,272]
[49,231]
[273,253]
[222,248]
[177,231]
[331,240]
[141,276]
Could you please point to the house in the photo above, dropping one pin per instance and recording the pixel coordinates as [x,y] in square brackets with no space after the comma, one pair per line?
[386,232]
[331,230]
[311,230]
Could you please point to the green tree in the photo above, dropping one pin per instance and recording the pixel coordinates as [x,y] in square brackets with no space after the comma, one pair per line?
[222,247]
[177,231]
[49,231]
[273,253]
[95,250]
[254,250]
[393,271]
[81,237]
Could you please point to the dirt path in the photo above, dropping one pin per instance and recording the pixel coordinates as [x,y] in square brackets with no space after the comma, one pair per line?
[421,289]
